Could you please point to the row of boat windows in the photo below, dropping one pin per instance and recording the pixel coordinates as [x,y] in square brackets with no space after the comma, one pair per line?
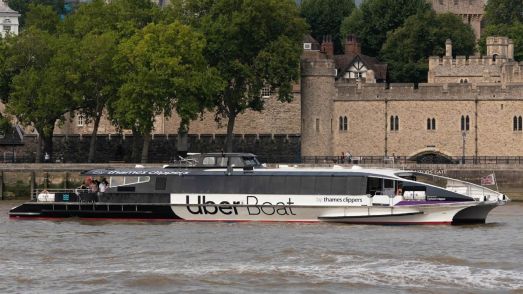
[249,184]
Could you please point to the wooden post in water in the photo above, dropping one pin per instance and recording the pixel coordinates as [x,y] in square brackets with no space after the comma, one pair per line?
[33,179]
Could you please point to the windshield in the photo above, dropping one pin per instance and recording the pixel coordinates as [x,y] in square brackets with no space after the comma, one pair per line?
[449,184]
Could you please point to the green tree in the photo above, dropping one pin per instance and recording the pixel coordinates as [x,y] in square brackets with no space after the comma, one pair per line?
[375,18]
[189,12]
[98,82]
[163,68]
[503,12]
[252,43]
[504,18]
[325,18]
[41,92]
[42,17]
[23,6]
[422,35]
[98,28]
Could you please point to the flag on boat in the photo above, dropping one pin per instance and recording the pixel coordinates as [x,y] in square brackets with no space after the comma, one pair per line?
[488,180]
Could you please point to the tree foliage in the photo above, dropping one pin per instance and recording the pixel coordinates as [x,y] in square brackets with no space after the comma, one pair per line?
[375,18]
[163,68]
[42,91]
[498,12]
[325,18]
[23,6]
[504,18]
[423,35]
[513,31]
[252,43]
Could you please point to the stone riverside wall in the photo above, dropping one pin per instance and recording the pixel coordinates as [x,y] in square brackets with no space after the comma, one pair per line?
[15,179]
[110,148]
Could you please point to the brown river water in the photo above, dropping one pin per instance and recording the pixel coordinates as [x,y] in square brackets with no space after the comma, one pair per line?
[78,256]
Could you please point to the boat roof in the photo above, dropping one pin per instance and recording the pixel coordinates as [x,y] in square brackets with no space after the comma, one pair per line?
[283,171]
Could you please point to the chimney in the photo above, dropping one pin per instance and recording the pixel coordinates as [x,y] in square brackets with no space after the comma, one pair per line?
[510,53]
[448,48]
[327,46]
[352,46]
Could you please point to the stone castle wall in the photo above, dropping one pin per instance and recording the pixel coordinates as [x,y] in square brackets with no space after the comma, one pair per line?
[491,109]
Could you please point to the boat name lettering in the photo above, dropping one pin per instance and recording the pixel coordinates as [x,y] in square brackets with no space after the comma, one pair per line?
[342,199]
[143,173]
[253,206]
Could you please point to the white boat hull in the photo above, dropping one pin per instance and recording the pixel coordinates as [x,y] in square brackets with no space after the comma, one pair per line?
[305,208]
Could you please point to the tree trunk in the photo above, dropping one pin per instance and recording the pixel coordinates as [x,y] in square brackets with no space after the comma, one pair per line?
[48,147]
[92,144]
[230,134]
[136,146]
[38,158]
[145,149]
[181,142]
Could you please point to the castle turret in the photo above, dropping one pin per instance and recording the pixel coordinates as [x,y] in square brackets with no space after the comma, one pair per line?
[448,48]
[317,105]
[497,46]
[510,50]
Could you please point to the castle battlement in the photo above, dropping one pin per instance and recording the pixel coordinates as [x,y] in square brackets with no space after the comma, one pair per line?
[318,67]
[425,91]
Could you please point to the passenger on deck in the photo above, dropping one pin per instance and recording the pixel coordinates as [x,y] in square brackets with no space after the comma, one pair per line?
[93,187]
[103,185]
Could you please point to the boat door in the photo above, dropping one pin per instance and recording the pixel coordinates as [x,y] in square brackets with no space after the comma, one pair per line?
[388,187]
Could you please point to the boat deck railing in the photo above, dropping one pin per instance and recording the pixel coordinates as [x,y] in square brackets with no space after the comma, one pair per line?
[45,191]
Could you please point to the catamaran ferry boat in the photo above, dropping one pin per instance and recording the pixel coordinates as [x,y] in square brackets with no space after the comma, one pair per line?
[236,188]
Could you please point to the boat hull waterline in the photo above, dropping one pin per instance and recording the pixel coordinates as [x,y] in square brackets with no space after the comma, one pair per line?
[279,211]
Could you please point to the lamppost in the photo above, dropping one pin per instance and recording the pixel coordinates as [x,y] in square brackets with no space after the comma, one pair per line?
[464,136]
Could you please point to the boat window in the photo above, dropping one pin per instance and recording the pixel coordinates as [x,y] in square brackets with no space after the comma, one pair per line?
[209,161]
[339,186]
[291,184]
[388,184]
[256,185]
[323,185]
[307,185]
[236,161]
[277,184]
[122,180]
[251,161]
[221,161]
[161,183]
[374,186]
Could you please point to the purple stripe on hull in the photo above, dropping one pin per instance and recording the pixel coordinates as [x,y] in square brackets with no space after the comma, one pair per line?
[424,202]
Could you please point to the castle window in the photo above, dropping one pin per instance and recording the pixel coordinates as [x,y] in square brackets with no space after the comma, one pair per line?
[440,2]
[7,29]
[518,123]
[80,120]
[431,123]
[456,2]
[317,125]
[465,123]
[307,46]
[343,123]
[394,123]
